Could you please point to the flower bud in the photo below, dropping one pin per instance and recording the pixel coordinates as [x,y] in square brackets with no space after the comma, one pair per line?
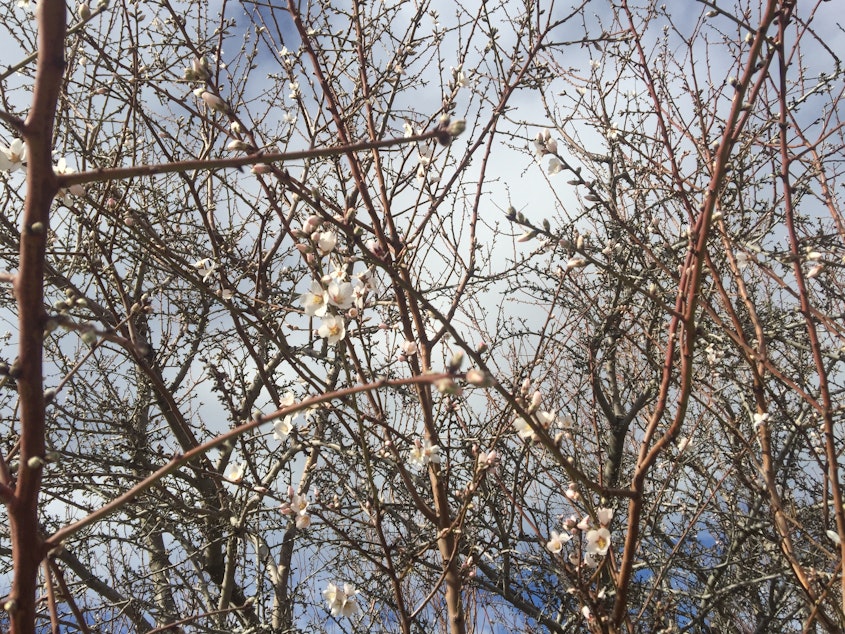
[476,377]
[456,128]
[36,462]
[214,102]
[448,387]
[199,68]
[238,146]
[456,361]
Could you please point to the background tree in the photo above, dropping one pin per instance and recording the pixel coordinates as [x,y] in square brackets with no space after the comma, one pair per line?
[361,317]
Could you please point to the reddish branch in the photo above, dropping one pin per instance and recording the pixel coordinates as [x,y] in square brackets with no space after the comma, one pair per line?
[28,548]
[816,348]
[682,326]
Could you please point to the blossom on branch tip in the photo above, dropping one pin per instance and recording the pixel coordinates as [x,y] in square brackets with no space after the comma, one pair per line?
[604,515]
[815,270]
[461,80]
[488,459]
[555,166]
[282,428]
[298,507]
[341,602]
[326,241]
[541,419]
[409,348]
[479,378]
[64,194]
[575,263]
[238,146]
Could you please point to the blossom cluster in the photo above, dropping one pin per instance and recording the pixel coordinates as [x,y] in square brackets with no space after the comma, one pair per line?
[334,297]
[596,534]
[526,431]
[526,427]
[341,602]
[282,428]
[424,452]
[298,508]
[544,144]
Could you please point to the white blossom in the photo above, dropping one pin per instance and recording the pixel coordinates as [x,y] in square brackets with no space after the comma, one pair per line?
[555,166]
[214,102]
[13,157]
[282,428]
[424,452]
[326,241]
[332,328]
[315,301]
[341,294]
[598,541]
[555,544]
[341,602]
[236,472]
[205,267]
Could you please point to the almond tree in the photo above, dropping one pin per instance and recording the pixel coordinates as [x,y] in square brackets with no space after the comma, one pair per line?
[363,317]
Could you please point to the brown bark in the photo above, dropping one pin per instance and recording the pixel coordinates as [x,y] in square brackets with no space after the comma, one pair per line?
[27,545]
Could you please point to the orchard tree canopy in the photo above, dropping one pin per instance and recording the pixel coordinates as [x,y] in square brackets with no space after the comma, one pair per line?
[417,316]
